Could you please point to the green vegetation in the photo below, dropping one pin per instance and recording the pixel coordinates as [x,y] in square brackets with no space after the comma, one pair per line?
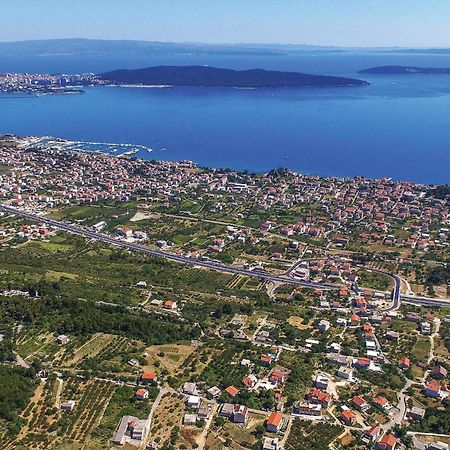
[220,371]
[302,367]
[124,402]
[67,315]
[436,420]
[390,378]
[305,435]
[438,275]
[16,389]
[421,349]
[374,280]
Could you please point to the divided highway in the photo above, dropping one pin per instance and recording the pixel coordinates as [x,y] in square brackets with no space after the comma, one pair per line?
[160,254]
[397,296]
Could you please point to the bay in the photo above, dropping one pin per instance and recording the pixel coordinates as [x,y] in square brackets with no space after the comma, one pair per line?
[397,127]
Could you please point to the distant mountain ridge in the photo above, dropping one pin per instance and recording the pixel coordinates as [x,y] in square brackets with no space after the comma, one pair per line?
[406,70]
[99,47]
[206,76]
[105,47]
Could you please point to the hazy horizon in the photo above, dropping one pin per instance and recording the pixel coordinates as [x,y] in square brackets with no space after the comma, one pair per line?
[350,23]
[255,43]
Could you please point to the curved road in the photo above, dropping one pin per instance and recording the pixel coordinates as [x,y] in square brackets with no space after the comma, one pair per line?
[397,297]
[220,267]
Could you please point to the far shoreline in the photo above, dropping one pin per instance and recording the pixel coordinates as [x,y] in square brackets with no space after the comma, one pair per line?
[262,171]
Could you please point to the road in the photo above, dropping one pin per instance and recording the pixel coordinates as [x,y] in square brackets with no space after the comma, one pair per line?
[21,362]
[396,293]
[155,405]
[397,297]
[402,407]
[425,301]
[101,237]
[201,439]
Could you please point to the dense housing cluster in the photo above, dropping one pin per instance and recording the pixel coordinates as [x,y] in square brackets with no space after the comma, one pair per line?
[345,346]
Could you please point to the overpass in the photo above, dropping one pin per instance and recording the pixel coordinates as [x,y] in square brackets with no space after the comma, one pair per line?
[213,265]
[397,296]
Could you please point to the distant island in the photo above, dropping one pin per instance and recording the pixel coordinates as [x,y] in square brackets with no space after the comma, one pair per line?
[407,70]
[205,76]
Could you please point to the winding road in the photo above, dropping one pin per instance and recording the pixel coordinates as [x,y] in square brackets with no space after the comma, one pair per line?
[220,267]
[397,297]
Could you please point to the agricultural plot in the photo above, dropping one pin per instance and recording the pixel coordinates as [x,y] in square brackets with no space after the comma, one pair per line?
[306,435]
[89,215]
[421,348]
[170,357]
[220,371]
[123,402]
[253,284]
[91,348]
[406,341]
[284,292]
[91,400]
[40,414]
[168,417]
[32,343]
[48,427]
[375,280]
[237,282]
[112,357]
[302,368]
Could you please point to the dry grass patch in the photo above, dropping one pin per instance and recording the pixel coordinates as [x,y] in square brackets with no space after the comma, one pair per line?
[91,348]
[243,436]
[168,415]
[298,322]
[169,356]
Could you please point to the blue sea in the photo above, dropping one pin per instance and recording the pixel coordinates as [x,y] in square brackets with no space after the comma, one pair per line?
[397,127]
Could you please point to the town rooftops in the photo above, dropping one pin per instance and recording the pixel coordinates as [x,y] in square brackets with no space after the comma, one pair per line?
[358,401]
[381,401]
[232,391]
[274,419]
[348,416]
[404,362]
[148,376]
[387,442]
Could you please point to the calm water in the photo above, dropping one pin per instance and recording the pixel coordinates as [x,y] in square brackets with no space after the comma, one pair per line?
[398,127]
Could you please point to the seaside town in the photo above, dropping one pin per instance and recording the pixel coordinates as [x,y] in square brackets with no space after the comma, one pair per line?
[45,83]
[160,305]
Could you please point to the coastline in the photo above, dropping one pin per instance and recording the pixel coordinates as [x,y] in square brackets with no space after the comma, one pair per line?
[74,145]
[287,87]
[337,132]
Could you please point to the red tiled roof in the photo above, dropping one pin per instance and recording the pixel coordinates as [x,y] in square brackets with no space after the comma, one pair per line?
[231,390]
[148,376]
[348,416]
[374,430]
[380,400]
[358,400]
[388,440]
[434,386]
[274,419]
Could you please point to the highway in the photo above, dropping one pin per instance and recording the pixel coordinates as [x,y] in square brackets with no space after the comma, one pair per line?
[396,293]
[220,267]
[425,301]
[397,296]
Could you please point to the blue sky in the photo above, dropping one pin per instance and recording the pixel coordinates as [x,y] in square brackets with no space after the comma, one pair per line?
[421,23]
